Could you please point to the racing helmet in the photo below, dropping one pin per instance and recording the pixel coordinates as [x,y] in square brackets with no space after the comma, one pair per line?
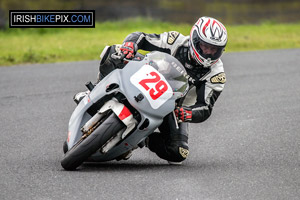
[208,39]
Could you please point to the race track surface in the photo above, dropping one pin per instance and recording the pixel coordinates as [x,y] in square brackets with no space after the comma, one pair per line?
[247,149]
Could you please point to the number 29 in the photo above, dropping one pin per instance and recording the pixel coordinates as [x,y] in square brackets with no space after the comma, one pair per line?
[159,88]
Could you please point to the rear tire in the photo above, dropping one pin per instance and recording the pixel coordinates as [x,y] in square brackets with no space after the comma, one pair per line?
[84,148]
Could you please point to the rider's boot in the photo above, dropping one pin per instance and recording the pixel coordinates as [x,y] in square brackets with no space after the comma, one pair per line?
[174,163]
[170,143]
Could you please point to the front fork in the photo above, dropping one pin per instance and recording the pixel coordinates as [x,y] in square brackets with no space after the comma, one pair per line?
[121,111]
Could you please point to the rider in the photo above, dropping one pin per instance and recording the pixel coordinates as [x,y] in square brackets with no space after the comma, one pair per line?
[200,54]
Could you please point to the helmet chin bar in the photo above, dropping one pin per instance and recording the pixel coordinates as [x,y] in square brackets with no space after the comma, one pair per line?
[204,64]
[200,61]
[193,60]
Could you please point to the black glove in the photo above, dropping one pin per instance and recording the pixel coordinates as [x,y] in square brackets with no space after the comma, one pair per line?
[184,114]
[128,49]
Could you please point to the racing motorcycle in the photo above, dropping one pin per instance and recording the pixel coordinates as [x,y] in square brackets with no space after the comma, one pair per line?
[123,109]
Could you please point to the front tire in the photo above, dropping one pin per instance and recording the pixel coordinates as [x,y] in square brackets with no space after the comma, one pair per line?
[84,148]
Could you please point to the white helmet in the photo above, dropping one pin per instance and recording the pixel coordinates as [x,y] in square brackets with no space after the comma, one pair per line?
[208,39]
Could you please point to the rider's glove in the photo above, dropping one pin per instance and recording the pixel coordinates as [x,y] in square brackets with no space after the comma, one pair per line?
[128,49]
[184,114]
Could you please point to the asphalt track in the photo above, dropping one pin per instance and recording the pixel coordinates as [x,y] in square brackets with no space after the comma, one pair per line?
[247,149]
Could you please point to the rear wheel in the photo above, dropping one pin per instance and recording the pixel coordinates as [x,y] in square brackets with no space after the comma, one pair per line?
[86,146]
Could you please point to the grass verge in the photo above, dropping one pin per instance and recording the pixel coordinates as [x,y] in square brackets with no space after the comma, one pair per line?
[19,46]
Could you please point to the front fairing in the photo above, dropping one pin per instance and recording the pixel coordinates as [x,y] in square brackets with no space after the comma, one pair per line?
[159,78]
[80,116]
[168,70]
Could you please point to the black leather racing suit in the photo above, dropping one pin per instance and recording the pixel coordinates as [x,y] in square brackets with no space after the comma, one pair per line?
[206,84]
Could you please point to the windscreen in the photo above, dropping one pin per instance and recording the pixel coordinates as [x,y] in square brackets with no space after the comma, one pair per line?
[171,69]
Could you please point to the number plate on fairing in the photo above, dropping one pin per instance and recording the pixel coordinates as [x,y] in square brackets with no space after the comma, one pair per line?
[153,85]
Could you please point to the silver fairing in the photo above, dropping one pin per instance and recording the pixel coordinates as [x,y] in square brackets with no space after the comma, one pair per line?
[159,78]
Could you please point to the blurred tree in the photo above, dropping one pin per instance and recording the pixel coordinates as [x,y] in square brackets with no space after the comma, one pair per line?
[2,19]
[38,4]
[227,11]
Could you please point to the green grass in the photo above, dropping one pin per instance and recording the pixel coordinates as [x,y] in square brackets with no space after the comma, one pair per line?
[19,46]
[263,37]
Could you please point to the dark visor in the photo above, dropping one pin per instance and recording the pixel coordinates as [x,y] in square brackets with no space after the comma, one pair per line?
[197,42]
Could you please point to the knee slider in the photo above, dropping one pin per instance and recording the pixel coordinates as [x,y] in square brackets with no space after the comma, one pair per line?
[178,152]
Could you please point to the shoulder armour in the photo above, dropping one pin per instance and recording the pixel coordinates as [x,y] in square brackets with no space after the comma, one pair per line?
[172,36]
[218,78]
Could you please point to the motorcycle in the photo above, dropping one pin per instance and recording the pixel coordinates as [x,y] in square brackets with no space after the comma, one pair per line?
[123,109]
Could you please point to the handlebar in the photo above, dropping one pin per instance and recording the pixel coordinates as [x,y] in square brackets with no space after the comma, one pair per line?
[120,57]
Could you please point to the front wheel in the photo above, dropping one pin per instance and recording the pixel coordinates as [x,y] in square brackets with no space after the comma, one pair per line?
[85,147]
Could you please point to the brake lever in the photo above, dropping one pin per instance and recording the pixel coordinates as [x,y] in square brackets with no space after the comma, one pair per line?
[117,56]
[175,119]
[120,57]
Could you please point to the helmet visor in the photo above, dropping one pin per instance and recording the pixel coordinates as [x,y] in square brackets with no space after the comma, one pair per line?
[206,50]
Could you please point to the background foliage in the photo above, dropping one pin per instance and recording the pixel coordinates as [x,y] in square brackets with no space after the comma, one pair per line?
[188,11]
[251,25]
[54,45]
